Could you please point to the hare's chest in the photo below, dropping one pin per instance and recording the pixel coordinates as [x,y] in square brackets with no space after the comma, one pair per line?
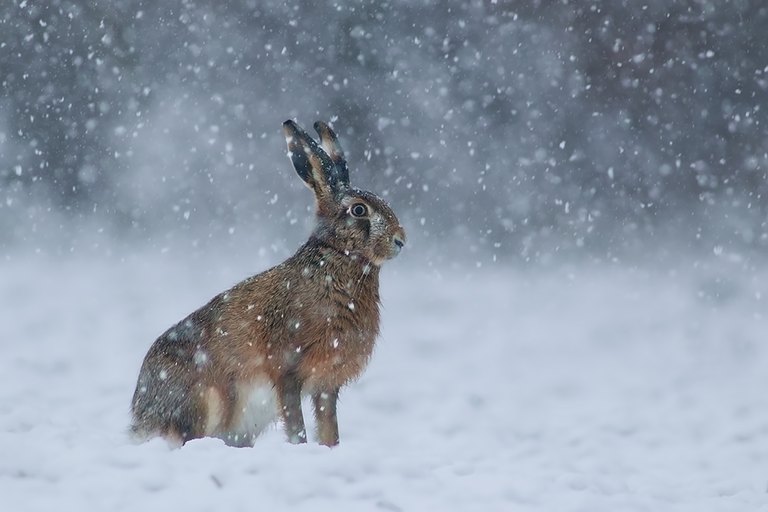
[341,361]
[342,353]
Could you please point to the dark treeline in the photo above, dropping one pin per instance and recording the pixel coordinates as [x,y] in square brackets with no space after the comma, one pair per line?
[521,126]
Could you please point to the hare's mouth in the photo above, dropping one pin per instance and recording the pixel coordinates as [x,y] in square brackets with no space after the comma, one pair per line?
[380,257]
[395,247]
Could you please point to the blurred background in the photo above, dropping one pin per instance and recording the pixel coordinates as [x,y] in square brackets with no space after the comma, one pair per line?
[517,131]
[579,313]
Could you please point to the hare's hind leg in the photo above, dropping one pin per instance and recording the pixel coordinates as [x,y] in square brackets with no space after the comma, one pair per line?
[172,403]
[325,413]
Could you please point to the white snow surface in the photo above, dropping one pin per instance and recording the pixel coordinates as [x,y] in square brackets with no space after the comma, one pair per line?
[589,388]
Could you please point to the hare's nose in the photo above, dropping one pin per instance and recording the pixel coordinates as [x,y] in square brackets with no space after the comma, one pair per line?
[399,238]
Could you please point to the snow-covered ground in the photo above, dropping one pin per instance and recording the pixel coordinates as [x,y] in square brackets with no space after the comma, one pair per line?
[583,389]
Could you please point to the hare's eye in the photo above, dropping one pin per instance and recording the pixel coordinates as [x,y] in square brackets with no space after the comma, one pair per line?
[358,210]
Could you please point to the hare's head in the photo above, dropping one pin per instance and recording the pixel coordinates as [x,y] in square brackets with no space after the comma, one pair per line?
[351,220]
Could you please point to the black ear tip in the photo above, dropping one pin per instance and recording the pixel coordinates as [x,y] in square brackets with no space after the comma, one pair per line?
[321,128]
[324,130]
[290,128]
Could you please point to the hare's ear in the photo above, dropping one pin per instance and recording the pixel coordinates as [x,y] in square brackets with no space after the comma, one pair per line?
[312,164]
[331,146]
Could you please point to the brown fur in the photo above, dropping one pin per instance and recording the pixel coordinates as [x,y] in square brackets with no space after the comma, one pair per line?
[306,326]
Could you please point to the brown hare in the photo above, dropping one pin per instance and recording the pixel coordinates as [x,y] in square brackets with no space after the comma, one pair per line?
[304,327]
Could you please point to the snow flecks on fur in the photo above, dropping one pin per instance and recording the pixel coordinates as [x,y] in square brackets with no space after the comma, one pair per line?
[200,358]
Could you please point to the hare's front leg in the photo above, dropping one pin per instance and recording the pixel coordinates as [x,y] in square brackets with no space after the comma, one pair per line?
[325,413]
[289,395]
